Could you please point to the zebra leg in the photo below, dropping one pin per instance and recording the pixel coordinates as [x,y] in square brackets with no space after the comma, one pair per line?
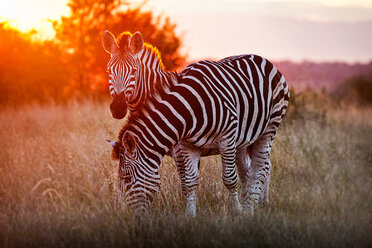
[264,197]
[243,162]
[187,162]
[229,177]
[180,165]
[189,184]
[192,161]
[271,133]
[259,171]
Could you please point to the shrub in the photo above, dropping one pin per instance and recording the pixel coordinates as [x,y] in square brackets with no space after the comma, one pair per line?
[355,90]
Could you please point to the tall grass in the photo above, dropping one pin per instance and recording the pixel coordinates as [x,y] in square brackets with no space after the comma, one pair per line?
[58,186]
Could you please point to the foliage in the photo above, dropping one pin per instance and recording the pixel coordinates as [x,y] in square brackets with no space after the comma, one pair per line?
[58,186]
[74,64]
[29,70]
[307,105]
[157,31]
[356,90]
[81,34]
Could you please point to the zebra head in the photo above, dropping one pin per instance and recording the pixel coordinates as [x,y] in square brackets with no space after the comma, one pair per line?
[138,177]
[122,68]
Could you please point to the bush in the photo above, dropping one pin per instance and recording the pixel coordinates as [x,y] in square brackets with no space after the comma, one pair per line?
[29,71]
[307,105]
[73,65]
[355,90]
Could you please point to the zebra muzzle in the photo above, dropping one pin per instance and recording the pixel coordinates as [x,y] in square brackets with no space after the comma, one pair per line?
[118,106]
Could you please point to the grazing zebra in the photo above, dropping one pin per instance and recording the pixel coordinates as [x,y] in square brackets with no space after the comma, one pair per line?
[233,106]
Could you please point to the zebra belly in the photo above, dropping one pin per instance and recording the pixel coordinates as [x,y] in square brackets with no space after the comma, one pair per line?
[204,152]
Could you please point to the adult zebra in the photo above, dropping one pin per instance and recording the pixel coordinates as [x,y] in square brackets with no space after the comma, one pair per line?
[231,106]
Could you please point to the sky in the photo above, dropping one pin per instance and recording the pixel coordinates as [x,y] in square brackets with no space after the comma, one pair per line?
[315,30]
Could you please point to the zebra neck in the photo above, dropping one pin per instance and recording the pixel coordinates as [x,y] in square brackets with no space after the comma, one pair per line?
[152,78]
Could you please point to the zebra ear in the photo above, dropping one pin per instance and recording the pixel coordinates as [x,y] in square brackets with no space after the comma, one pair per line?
[109,42]
[115,154]
[129,143]
[136,43]
[112,142]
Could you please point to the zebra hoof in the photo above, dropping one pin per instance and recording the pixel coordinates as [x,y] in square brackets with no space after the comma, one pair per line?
[191,210]
[237,209]
[248,209]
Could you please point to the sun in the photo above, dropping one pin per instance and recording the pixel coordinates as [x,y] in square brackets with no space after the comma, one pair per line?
[27,15]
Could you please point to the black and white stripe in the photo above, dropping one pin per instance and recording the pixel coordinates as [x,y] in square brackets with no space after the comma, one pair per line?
[119,70]
[232,107]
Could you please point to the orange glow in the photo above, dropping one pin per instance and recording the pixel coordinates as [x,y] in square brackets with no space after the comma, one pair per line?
[122,40]
[33,15]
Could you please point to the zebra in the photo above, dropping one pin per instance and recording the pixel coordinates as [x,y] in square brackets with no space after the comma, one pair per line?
[233,106]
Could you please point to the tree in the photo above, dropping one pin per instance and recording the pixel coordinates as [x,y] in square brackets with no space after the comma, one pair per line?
[29,71]
[74,64]
[80,35]
[156,31]
[356,89]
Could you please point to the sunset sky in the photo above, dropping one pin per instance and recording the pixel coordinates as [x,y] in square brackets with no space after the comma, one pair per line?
[318,30]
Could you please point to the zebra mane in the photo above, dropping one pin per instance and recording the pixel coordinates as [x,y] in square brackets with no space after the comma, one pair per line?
[123,43]
[154,51]
[123,40]
[160,79]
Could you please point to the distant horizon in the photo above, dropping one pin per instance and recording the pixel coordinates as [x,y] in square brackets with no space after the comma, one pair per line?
[303,30]
[284,60]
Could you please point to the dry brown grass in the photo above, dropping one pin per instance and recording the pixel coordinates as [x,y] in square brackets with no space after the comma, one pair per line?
[57,186]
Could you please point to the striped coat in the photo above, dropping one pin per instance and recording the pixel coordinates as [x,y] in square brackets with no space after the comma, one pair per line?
[233,106]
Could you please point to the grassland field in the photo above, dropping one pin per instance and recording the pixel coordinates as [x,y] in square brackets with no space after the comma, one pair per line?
[58,185]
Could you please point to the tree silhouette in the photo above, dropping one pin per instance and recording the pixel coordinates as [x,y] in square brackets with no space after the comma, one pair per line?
[74,64]
[356,89]
[29,71]
[80,35]
[159,32]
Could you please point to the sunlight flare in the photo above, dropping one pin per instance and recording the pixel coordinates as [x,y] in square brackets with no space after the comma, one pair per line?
[35,15]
